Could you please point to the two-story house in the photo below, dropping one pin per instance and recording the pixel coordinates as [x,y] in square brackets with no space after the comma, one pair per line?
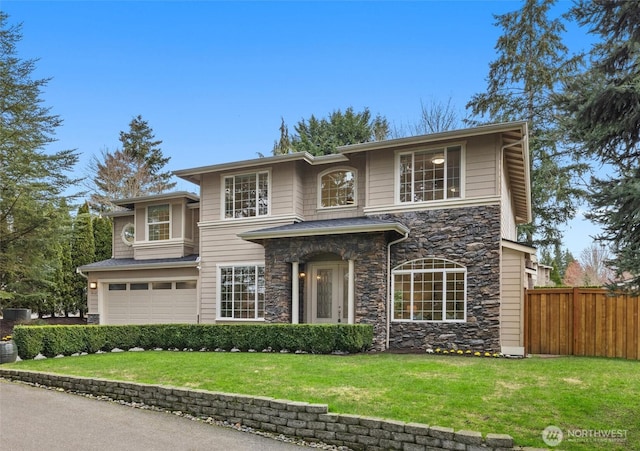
[416,236]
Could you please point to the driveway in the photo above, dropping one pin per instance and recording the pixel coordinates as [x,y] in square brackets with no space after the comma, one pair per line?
[36,419]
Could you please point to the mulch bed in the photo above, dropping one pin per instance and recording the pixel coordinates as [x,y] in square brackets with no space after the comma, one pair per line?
[6,326]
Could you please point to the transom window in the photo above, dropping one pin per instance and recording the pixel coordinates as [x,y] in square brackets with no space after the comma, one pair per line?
[337,188]
[158,222]
[242,292]
[429,289]
[429,175]
[246,195]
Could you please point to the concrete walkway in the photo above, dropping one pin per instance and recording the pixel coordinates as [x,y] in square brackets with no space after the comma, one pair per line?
[37,419]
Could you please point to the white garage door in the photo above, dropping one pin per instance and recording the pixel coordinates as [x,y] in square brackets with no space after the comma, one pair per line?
[150,302]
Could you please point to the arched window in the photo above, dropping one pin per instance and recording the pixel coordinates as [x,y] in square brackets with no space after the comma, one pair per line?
[337,188]
[429,289]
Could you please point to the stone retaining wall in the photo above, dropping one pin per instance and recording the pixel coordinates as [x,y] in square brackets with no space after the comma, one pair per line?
[297,419]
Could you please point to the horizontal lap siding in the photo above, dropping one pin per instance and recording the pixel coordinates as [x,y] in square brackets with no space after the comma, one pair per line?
[586,322]
[511,333]
[220,244]
[481,177]
[481,167]
[121,250]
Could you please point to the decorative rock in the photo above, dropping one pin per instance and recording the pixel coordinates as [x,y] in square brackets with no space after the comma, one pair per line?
[117,350]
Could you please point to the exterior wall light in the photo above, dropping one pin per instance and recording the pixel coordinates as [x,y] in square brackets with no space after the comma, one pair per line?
[93,285]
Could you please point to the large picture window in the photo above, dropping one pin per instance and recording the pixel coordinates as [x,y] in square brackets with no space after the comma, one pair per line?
[158,222]
[246,195]
[337,188]
[429,289]
[242,292]
[430,175]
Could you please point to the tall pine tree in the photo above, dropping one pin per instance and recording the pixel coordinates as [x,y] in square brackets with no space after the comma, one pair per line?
[82,253]
[603,107]
[532,62]
[132,171]
[32,179]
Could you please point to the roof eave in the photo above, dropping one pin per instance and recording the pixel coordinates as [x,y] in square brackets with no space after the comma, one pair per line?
[321,231]
[440,136]
[140,266]
[194,174]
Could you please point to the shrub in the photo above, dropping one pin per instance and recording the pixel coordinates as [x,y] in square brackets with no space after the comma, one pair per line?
[315,338]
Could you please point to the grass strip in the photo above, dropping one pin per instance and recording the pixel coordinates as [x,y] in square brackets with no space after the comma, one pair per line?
[516,397]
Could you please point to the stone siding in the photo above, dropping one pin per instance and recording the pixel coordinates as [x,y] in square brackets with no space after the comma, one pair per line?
[367,249]
[468,236]
[296,419]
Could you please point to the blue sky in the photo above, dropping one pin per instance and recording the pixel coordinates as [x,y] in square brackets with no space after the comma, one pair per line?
[213,78]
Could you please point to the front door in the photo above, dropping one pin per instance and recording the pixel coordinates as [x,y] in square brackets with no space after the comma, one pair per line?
[329,297]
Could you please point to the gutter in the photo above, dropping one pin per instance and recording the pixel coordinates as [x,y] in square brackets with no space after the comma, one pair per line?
[389,294]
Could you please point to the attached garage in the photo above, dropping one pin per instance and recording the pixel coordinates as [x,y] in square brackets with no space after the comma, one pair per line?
[128,291]
[150,302]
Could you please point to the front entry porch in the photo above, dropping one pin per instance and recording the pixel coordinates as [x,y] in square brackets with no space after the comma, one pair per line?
[333,271]
[327,292]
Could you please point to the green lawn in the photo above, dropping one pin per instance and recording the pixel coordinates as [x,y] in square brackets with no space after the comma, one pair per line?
[516,397]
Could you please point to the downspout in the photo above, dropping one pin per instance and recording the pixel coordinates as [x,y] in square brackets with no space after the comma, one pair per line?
[389,295]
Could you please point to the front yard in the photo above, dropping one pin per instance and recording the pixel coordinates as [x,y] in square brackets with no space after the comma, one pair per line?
[589,396]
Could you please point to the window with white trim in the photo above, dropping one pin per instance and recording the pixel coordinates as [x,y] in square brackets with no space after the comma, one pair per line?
[242,292]
[337,188]
[429,289]
[429,175]
[246,195]
[159,222]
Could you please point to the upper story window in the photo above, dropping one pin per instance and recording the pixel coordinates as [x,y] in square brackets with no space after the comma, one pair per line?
[337,188]
[158,222]
[429,175]
[429,289]
[246,195]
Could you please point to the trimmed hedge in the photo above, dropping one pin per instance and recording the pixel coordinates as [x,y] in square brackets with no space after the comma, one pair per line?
[51,341]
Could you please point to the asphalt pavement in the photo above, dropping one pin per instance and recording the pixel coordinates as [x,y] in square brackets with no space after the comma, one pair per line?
[33,419]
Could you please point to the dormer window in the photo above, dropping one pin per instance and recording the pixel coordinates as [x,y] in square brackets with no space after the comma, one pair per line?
[158,222]
[337,188]
[429,175]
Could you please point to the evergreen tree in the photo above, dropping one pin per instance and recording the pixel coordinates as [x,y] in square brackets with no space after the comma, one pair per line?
[32,180]
[532,62]
[283,145]
[82,253]
[133,171]
[323,136]
[603,107]
[103,237]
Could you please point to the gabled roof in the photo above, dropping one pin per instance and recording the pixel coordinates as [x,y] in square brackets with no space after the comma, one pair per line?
[130,202]
[118,264]
[326,227]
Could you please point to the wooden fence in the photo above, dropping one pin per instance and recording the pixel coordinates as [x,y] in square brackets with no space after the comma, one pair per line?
[582,321]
